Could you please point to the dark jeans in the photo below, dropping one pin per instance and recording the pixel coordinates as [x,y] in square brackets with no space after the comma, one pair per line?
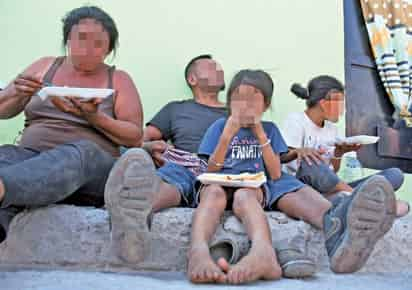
[75,171]
[323,179]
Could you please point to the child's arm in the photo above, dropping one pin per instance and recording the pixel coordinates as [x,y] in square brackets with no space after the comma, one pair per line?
[217,159]
[335,161]
[288,156]
[339,151]
[308,154]
[271,159]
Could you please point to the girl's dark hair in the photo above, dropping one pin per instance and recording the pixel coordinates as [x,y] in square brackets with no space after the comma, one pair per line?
[259,79]
[318,89]
[73,17]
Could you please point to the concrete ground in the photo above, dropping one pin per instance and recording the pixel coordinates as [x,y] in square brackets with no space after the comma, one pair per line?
[62,280]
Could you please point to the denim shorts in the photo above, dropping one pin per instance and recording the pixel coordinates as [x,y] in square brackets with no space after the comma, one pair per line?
[182,178]
[273,190]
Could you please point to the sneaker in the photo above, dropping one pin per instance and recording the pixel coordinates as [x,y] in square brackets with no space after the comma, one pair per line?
[353,226]
[339,197]
[294,263]
[128,196]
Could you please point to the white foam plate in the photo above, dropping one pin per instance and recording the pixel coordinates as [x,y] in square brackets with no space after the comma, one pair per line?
[221,179]
[360,139]
[83,93]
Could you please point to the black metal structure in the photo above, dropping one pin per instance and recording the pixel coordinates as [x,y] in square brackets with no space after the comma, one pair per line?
[368,109]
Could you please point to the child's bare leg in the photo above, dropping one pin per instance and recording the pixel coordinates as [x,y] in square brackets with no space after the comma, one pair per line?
[261,262]
[201,267]
[305,204]
[167,196]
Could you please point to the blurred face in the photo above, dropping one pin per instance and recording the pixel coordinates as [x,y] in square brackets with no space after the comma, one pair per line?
[247,105]
[88,45]
[207,75]
[333,106]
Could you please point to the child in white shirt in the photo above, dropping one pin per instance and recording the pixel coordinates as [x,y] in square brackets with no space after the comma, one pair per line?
[311,132]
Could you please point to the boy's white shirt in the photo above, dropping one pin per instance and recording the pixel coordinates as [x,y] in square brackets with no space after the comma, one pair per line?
[299,131]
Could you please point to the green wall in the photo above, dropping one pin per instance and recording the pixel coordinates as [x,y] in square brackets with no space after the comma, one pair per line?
[293,40]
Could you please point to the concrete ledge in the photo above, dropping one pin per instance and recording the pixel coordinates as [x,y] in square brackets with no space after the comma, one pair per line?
[68,237]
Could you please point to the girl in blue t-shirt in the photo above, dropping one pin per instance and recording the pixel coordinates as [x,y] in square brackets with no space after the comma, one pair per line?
[237,144]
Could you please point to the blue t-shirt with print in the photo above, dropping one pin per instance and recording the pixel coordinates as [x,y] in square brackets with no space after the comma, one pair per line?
[244,153]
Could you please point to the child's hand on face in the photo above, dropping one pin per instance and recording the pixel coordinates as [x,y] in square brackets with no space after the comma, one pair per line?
[232,126]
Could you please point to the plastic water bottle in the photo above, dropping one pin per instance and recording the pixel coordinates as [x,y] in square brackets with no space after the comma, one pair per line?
[352,169]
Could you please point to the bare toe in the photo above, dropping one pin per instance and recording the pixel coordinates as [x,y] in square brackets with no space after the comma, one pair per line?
[260,263]
[223,265]
[202,269]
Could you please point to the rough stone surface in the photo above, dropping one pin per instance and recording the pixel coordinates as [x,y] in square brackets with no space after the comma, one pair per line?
[71,237]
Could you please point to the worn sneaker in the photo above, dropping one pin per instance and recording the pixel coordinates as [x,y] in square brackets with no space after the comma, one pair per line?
[339,197]
[129,195]
[353,226]
[294,263]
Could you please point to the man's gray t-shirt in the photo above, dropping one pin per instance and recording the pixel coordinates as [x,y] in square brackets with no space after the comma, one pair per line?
[185,122]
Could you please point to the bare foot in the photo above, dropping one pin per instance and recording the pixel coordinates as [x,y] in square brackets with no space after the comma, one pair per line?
[260,263]
[201,267]
[402,207]
[223,265]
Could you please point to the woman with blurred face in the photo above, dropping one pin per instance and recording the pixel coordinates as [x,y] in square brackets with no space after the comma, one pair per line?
[68,145]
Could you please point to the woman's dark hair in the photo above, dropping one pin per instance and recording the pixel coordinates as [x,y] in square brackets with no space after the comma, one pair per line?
[73,17]
[259,79]
[318,89]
